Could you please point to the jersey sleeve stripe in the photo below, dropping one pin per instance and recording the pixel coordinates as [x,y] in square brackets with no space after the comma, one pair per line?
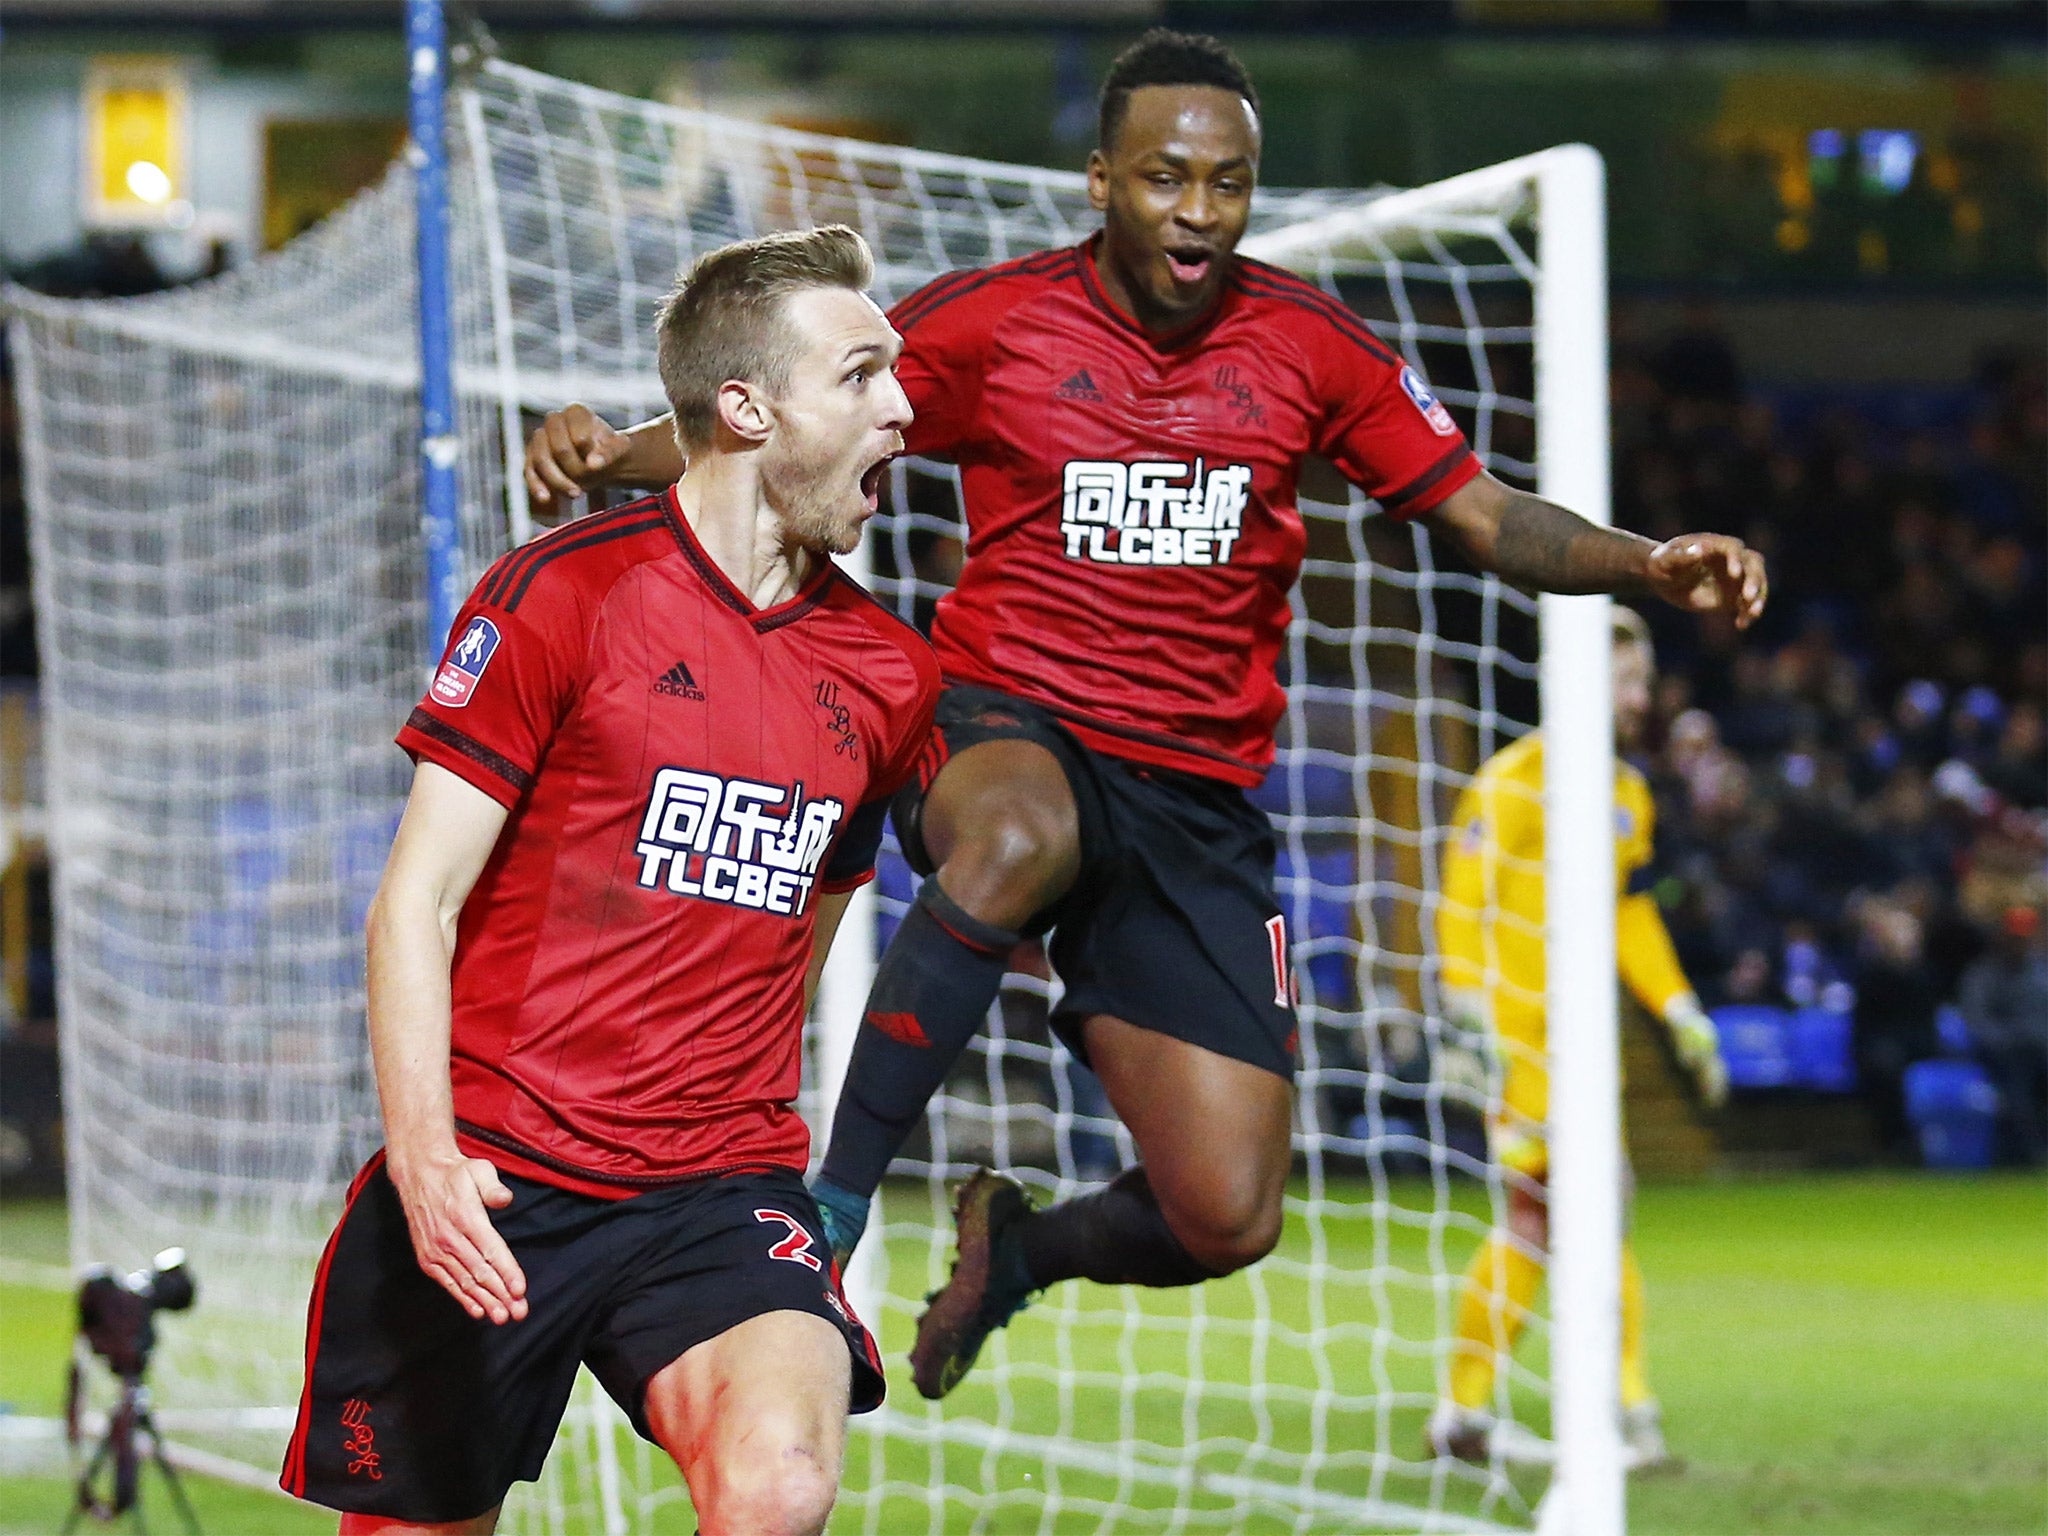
[928,301]
[494,585]
[506,568]
[852,862]
[1270,283]
[491,761]
[649,523]
[1409,496]
[1306,296]
[913,309]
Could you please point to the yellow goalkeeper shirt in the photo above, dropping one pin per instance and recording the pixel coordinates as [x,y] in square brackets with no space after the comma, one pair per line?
[1490,920]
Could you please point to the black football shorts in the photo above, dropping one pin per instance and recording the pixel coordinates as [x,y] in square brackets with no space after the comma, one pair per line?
[415,1411]
[1172,924]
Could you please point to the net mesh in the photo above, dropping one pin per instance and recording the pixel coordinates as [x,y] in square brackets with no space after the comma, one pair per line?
[228,577]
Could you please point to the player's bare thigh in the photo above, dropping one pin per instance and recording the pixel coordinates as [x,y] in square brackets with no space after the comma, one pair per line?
[1000,825]
[755,1419]
[1212,1131]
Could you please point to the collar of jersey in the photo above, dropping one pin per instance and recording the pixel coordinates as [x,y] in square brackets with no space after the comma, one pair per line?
[721,585]
[1193,331]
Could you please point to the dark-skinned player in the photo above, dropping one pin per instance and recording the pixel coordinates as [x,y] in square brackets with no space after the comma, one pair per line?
[1130,416]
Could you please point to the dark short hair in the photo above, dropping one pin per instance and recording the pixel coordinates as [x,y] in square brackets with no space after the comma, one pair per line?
[1165,57]
[725,318]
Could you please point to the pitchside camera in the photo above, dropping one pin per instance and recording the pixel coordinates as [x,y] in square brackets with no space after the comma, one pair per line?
[116,1312]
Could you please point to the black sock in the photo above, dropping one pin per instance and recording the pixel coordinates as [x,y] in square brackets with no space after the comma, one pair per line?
[1116,1236]
[931,993]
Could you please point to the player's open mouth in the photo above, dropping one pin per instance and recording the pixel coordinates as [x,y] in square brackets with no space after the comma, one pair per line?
[1190,265]
[871,481]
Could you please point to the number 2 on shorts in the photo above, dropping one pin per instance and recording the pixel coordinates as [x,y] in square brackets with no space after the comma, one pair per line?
[796,1247]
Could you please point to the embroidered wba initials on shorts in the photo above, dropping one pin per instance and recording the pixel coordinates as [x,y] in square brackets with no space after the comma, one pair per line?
[359,1444]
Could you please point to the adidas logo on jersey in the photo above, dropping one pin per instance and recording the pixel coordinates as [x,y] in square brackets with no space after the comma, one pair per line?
[677,683]
[1162,513]
[1079,386]
[734,841]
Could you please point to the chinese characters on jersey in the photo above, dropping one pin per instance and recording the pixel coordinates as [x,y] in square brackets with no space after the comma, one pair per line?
[736,841]
[1158,513]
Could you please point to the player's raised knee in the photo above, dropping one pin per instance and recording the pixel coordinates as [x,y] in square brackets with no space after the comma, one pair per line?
[1017,847]
[761,1493]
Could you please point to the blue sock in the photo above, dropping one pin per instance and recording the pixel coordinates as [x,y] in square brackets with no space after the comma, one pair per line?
[844,1214]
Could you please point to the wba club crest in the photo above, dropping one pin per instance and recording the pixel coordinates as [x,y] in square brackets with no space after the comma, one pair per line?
[464,668]
[1432,408]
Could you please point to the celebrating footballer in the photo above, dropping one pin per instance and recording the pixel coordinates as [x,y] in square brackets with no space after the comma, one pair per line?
[654,762]
[1130,416]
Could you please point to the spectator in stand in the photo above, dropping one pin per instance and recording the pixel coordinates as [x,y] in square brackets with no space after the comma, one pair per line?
[1902,837]
[2003,998]
[1895,1007]
[2018,770]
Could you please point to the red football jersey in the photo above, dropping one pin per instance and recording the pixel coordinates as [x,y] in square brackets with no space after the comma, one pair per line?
[685,774]
[1132,533]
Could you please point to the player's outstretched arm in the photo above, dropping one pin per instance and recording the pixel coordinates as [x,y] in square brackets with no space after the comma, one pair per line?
[447,833]
[1536,543]
[574,450]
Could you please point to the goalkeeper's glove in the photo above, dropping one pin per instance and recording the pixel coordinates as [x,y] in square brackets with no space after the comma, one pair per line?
[1699,1047]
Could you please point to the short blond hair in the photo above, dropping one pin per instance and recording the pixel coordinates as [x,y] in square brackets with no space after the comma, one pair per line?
[725,319]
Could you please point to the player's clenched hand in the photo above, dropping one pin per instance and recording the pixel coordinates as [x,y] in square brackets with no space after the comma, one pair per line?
[453,1238]
[1710,573]
[570,452]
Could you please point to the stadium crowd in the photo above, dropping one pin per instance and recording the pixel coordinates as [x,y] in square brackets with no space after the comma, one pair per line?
[1853,802]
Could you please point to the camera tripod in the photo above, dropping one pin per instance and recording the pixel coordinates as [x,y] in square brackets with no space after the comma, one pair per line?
[129,1427]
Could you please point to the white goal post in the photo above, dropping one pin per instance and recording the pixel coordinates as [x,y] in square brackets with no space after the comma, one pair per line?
[223,487]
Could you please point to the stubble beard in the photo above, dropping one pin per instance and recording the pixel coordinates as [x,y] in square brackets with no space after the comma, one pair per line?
[801,488]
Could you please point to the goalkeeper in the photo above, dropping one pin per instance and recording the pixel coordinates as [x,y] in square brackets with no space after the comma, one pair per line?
[1490,934]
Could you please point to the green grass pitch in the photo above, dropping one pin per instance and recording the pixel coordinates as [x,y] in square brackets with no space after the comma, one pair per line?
[1857,1355]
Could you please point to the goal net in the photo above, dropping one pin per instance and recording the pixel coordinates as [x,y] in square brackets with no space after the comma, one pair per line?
[229,583]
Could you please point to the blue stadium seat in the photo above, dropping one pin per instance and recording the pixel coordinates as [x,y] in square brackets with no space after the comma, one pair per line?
[1756,1043]
[1953,1110]
[1952,1029]
[1823,1054]
[1326,790]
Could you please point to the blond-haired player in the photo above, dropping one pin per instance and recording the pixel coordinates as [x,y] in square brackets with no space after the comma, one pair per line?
[1490,930]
